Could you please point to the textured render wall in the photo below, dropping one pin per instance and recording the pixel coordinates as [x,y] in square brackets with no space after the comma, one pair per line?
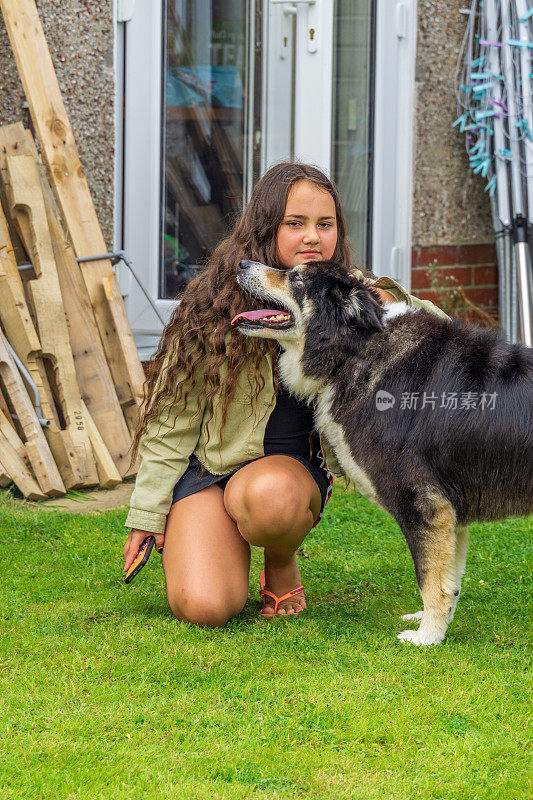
[449,205]
[80,39]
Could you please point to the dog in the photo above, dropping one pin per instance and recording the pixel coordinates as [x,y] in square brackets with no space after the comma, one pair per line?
[430,418]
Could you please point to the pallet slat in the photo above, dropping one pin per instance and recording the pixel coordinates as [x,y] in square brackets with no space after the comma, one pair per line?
[14,311]
[5,479]
[108,474]
[4,408]
[9,433]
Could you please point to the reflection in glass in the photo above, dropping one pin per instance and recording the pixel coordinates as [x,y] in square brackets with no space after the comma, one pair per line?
[353,54]
[204,131]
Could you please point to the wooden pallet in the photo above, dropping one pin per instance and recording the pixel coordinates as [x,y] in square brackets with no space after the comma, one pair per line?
[92,372]
[70,186]
[20,331]
[27,208]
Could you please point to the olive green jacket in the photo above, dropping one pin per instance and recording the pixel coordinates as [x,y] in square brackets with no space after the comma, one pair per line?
[166,445]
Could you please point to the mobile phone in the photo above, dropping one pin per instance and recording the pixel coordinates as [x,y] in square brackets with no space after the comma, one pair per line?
[143,554]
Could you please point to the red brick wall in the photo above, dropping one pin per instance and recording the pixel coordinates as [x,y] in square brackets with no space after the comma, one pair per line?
[474,266]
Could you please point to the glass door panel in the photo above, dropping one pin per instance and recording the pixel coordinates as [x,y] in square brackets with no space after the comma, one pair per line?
[318,98]
[209,156]
[352,118]
[246,84]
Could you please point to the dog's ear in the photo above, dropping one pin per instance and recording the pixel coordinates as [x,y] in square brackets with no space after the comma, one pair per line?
[363,308]
[344,313]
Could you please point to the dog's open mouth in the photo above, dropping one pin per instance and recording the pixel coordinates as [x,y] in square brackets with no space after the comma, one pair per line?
[264,318]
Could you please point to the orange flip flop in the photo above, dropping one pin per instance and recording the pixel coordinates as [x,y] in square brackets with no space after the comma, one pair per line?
[277,600]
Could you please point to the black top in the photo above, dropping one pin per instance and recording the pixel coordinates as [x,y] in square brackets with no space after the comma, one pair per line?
[289,427]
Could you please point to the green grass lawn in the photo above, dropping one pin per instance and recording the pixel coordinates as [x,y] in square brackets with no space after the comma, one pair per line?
[105,695]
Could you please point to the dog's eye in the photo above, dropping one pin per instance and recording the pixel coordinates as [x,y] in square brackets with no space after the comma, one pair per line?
[297,277]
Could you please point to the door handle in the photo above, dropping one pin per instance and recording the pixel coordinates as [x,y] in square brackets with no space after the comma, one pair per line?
[312,28]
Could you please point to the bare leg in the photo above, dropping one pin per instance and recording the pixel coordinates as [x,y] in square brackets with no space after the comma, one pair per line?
[274,502]
[205,559]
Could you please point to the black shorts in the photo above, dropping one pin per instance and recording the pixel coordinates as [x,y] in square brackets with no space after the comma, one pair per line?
[193,480]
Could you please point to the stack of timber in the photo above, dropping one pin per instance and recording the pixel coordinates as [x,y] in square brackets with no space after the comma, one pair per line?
[71,382]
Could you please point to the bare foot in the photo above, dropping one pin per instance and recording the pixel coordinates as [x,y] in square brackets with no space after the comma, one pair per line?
[281,577]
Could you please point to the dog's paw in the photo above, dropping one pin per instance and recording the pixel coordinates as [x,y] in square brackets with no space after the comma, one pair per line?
[420,638]
[416,617]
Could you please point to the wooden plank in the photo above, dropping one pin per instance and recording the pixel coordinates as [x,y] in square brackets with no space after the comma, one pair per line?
[108,474]
[40,457]
[4,408]
[17,472]
[99,395]
[70,185]
[9,433]
[14,311]
[92,372]
[125,336]
[26,198]
[5,480]
[14,469]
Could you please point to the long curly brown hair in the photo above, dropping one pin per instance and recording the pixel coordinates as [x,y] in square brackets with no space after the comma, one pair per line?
[194,340]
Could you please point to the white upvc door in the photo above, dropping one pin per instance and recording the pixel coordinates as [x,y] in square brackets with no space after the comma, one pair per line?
[299,46]
[392,184]
[218,90]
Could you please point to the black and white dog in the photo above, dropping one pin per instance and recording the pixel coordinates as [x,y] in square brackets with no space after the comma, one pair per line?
[430,418]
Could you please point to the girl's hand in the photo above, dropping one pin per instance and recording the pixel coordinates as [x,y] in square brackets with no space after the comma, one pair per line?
[133,542]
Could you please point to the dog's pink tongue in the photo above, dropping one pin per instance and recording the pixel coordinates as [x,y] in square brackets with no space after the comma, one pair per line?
[253,315]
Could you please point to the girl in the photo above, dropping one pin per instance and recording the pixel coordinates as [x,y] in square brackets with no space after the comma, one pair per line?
[229,459]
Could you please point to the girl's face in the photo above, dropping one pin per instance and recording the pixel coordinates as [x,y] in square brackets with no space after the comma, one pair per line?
[308,231]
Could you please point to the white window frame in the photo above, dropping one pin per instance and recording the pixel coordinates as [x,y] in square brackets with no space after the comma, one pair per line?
[138,47]
[141,165]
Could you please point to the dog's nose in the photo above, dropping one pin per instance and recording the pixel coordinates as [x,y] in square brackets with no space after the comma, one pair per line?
[244,265]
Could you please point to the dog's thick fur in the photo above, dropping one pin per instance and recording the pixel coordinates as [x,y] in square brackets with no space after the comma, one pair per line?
[434,469]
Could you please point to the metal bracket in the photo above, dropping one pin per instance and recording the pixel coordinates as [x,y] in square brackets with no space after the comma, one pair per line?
[120,255]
